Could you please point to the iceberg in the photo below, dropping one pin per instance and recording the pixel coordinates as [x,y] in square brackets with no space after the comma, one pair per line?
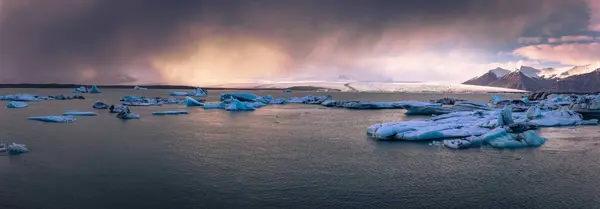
[100,105]
[171,112]
[95,90]
[191,102]
[141,104]
[241,96]
[14,104]
[287,90]
[236,105]
[464,143]
[373,105]
[118,108]
[172,100]
[139,88]
[258,104]
[447,101]
[128,116]
[131,99]
[178,93]
[13,148]
[53,119]
[213,106]
[264,99]
[199,92]
[278,101]
[81,89]
[21,97]
[79,113]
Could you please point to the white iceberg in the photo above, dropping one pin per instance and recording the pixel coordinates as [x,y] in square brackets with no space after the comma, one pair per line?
[15,104]
[13,148]
[95,90]
[81,89]
[139,88]
[100,105]
[191,102]
[171,112]
[21,97]
[79,113]
[237,105]
[53,119]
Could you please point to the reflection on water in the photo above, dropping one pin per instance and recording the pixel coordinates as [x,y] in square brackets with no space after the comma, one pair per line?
[281,156]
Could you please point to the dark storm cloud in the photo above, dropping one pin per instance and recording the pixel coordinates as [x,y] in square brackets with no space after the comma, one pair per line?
[69,40]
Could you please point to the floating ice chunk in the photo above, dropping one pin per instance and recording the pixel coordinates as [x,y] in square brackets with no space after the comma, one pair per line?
[190,102]
[278,101]
[533,113]
[131,99]
[373,105]
[127,116]
[139,88]
[21,97]
[258,104]
[14,148]
[287,90]
[15,104]
[241,96]
[505,117]
[560,118]
[81,89]
[80,113]
[464,143]
[142,104]
[237,105]
[264,99]
[213,106]
[100,105]
[500,138]
[117,109]
[171,112]
[173,100]
[53,119]
[95,90]
[447,101]
[178,93]
[199,92]
[497,99]
[525,100]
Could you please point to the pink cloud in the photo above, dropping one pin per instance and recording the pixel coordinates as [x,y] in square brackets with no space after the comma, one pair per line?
[564,39]
[530,40]
[594,6]
[568,54]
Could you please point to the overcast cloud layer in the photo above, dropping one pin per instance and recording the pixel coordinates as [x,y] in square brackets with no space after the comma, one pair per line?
[206,42]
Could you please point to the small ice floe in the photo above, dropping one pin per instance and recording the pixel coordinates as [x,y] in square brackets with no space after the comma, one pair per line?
[191,102]
[53,119]
[79,113]
[139,88]
[171,112]
[15,104]
[21,97]
[213,106]
[124,115]
[100,105]
[118,108]
[13,148]
[81,89]
[287,90]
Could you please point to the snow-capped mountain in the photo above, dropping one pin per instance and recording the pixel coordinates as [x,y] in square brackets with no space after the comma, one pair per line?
[488,77]
[578,78]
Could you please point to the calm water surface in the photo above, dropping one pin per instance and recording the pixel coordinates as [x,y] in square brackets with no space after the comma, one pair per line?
[289,156]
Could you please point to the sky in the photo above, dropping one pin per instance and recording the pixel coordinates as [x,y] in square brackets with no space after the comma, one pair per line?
[204,42]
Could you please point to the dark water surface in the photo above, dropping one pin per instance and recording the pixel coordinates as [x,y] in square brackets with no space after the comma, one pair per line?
[289,156]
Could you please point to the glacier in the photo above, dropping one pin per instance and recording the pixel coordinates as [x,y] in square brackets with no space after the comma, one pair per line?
[53,119]
[15,104]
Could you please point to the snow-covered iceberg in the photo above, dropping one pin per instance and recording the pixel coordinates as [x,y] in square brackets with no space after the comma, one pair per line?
[171,112]
[13,148]
[53,119]
[191,102]
[100,105]
[15,104]
[139,88]
[241,96]
[79,113]
[95,90]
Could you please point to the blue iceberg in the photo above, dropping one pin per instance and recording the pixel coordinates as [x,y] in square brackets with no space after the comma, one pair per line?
[287,90]
[126,116]
[81,89]
[264,99]
[171,112]
[100,105]
[213,106]
[53,119]
[241,96]
[131,99]
[178,93]
[199,92]
[278,101]
[14,104]
[191,102]
[21,97]
[79,113]
[118,108]
[95,90]
[236,105]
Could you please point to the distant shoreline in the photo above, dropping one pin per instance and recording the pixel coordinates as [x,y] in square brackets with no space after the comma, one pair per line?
[71,86]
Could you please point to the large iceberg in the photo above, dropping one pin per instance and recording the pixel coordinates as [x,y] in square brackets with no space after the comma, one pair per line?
[191,102]
[79,113]
[95,90]
[15,104]
[171,112]
[13,148]
[100,105]
[490,126]
[241,96]
[53,119]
